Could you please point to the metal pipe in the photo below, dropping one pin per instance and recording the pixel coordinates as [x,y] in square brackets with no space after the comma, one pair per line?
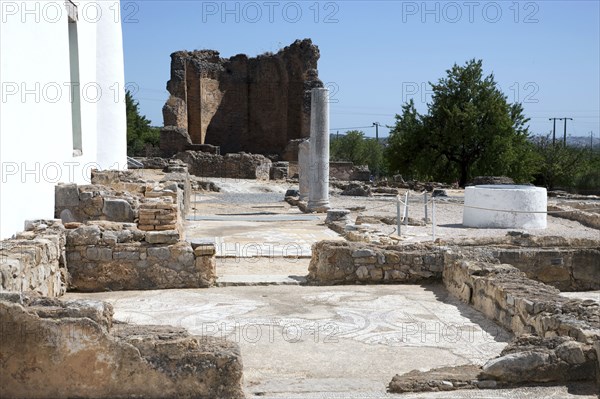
[406,209]
[433,217]
[425,203]
[398,224]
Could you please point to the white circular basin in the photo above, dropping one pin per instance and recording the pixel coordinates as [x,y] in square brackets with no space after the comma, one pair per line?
[505,207]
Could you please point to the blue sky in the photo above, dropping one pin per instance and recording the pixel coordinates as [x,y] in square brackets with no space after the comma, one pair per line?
[376,55]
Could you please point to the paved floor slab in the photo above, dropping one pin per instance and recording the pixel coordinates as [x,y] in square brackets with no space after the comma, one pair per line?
[259,239]
[317,340]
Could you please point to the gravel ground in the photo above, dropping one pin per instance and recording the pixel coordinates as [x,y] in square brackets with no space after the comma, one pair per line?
[448,218]
[246,196]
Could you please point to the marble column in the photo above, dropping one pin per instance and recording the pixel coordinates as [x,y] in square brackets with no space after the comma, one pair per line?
[318,196]
[304,169]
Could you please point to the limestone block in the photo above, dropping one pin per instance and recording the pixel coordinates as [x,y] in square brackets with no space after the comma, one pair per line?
[162,237]
[338,215]
[571,352]
[66,195]
[159,252]
[362,272]
[363,253]
[84,235]
[208,249]
[126,255]
[206,267]
[117,210]
[515,365]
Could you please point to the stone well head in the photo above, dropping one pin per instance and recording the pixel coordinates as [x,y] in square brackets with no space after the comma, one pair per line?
[505,206]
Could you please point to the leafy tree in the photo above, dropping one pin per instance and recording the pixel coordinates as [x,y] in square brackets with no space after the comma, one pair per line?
[564,166]
[356,148]
[470,129]
[139,131]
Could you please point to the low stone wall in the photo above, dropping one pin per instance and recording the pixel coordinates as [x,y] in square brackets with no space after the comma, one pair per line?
[66,349]
[504,294]
[233,166]
[567,264]
[341,262]
[115,256]
[568,269]
[34,260]
[589,218]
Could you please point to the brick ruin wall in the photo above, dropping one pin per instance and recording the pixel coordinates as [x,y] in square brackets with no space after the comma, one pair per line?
[255,105]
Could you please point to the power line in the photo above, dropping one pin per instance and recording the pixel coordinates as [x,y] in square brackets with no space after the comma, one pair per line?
[356,127]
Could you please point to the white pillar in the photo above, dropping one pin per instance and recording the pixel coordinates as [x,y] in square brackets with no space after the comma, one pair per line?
[304,169]
[318,196]
[110,75]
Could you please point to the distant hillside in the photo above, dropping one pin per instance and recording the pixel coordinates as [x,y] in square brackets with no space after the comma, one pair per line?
[575,141]
[582,141]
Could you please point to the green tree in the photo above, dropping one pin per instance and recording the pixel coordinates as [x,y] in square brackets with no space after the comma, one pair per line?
[564,166]
[358,149]
[470,129]
[348,147]
[139,131]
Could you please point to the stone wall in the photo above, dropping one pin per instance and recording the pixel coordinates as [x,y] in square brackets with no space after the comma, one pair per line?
[233,166]
[568,269]
[347,171]
[504,294]
[34,260]
[567,264]
[121,201]
[67,349]
[119,256]
[342,171]
[255,105]
[73,203]
[341,262]
[557,338]
[589,216]
[176,178]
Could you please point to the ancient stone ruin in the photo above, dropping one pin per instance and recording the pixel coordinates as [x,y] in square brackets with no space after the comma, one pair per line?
[256,105]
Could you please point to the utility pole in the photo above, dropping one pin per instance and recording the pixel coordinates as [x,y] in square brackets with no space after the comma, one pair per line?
[554,129]
[565,136]
[591,145]
[376,124]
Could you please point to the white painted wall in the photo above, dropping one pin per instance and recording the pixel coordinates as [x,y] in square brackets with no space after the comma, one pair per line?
[36,141]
